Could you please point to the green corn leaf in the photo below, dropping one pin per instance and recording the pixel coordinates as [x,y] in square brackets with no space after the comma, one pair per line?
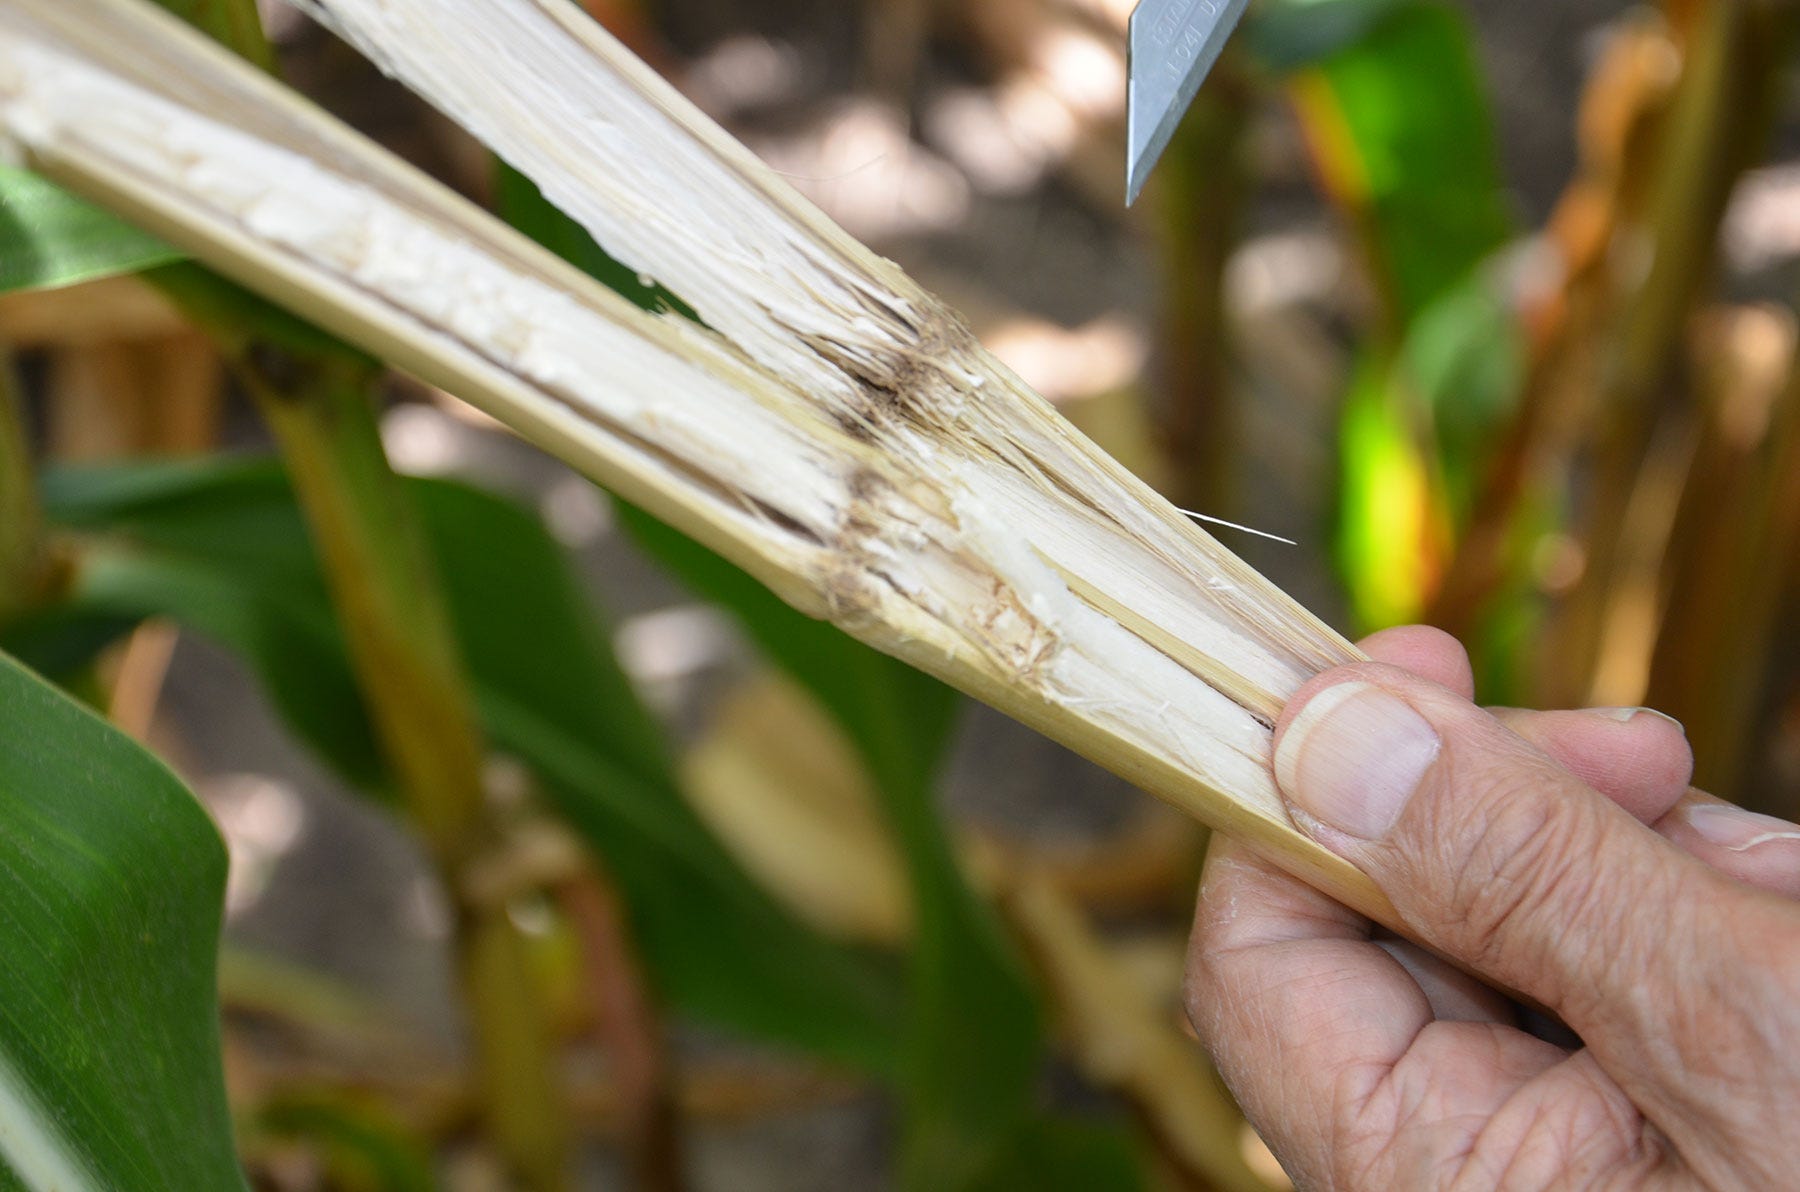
[515,193]
[221,547]
[112,883]
[1418,429]
[1401,130]
[1388,546]
[50,238]
[1464,357]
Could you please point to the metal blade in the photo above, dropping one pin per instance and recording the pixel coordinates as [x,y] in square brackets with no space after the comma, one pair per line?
[1173,44]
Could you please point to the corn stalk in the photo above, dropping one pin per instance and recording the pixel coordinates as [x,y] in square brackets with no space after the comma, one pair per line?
[20,553]
[828,425]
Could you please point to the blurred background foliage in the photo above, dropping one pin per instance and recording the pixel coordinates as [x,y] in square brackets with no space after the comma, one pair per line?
[1488,305]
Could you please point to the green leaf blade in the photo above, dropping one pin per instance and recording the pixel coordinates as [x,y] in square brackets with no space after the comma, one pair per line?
[1399,121]
[111,888]
[49,238]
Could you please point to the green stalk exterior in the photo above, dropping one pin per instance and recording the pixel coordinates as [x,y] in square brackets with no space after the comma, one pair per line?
[383,585]
[1720,119]
[400,641]
[1199,202]
[21,553]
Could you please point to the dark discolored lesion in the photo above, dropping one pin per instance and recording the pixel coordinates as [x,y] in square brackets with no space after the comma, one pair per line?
[914,380]
[853,588]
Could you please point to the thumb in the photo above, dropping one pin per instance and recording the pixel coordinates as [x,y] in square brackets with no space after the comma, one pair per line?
[1491,852]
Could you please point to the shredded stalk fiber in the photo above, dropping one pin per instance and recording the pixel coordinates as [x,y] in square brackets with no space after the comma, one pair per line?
[828,424]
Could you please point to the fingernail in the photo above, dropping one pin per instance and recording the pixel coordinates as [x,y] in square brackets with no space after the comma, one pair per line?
[1353,757]
[1736,829]
[1627,715]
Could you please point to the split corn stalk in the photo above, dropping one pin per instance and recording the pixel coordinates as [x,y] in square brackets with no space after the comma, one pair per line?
[831,427]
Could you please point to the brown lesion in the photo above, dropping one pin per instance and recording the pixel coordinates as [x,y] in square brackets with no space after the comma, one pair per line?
[911,392]
[853,594]
[1001,621]
[900,540]
[911,380]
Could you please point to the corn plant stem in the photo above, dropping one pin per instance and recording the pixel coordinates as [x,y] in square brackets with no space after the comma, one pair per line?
[632,1032]
[1555,404]
[320,413]
[401,646]
[1199,197]
[1728,583]
[20,523]
[1533,452]
[1721,116]
[893,48]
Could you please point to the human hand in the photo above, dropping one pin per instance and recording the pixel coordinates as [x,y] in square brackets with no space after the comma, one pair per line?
[1560,854]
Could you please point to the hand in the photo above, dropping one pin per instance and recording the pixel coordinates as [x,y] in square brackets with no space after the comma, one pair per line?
[1560,854]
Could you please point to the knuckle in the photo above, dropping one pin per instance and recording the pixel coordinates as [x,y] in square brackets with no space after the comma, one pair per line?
[1716,1038]
[1743,1018]
[1782,945]
[1520,868]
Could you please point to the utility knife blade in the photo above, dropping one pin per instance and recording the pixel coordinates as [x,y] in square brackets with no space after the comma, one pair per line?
[1174,43]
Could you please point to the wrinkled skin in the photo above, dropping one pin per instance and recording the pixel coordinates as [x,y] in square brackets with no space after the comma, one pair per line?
[1556,854]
